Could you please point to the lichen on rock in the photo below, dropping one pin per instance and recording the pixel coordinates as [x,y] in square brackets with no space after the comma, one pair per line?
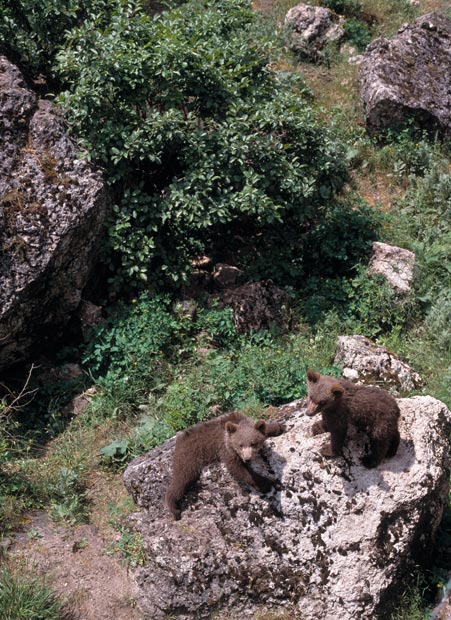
[366,362]
[332,540]
[53,206]
[409,77]
[311,29]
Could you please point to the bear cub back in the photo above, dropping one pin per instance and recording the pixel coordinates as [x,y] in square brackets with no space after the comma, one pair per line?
[369,408]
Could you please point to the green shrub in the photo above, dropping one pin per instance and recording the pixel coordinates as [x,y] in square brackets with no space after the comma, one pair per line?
[357,33]
[349,8]
[32,31]
[149,432]
[374,307]
[134,337]
[218,326]
[25,596]
[340,237]
[421,222]
[408,152]
[438,322]
[203,138]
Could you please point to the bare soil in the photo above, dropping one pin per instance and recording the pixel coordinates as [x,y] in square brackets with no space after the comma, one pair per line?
[94,585]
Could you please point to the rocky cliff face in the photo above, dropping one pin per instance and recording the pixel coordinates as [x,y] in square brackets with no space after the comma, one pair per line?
[332,540]
[52,211]
[409,76]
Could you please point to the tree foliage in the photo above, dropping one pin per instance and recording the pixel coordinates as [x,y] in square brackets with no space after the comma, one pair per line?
[31,31]
[209,149]
[203,139]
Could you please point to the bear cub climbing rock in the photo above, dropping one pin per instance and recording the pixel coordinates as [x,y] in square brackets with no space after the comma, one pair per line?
[233,439]
[369,408]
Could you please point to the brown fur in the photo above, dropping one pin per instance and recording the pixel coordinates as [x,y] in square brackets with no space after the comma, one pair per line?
[369,408]
[232,439]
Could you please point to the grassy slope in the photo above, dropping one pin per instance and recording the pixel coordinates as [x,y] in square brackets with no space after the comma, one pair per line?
[77,448]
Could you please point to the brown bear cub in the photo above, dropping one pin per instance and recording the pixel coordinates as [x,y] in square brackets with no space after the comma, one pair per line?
[369,408]
[232,439]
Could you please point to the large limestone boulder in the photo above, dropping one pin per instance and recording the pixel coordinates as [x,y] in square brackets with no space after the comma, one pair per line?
[395,264]
[311,28]
[332,540]
[52,211]
[409,75]
[366,362]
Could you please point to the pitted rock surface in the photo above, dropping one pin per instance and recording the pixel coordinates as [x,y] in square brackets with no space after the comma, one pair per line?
[331,540]
[366,362]
[395,264]
[409,76]
[52,210]
[311,29]
[256,305]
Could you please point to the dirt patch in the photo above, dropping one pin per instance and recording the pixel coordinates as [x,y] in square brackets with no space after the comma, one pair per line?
[378,190]
[94,584]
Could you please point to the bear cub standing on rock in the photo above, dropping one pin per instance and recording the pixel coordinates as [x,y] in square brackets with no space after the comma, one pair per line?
[233,439]
[369,408]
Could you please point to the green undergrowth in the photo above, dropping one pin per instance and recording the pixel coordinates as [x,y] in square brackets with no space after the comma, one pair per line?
[26,596]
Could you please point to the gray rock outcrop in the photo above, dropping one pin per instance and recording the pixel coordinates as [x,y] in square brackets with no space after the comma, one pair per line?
[256,305]
[311,28]
[52,210]
[366,362]
[409,76]
[332,540]
[395,264]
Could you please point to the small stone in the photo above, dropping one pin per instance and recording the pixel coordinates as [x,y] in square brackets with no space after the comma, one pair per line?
[395,264]
[312,28]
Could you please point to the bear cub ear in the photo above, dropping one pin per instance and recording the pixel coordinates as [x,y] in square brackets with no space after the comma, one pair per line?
[337,390]
[313,376]
[231,427]
[260,425]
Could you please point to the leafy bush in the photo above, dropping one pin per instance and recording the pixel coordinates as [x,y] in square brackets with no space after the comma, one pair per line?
[135,337]
[24,596]
[408,152]
[218,326]
[374,307]
[203,138]
[331,246]
[421,223]
[32,31]
[349,8]
[135,352]
[438,322]
[357,33]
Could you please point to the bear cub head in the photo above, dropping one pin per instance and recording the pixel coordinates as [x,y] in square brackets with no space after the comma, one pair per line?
[323,393]
[246,438]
